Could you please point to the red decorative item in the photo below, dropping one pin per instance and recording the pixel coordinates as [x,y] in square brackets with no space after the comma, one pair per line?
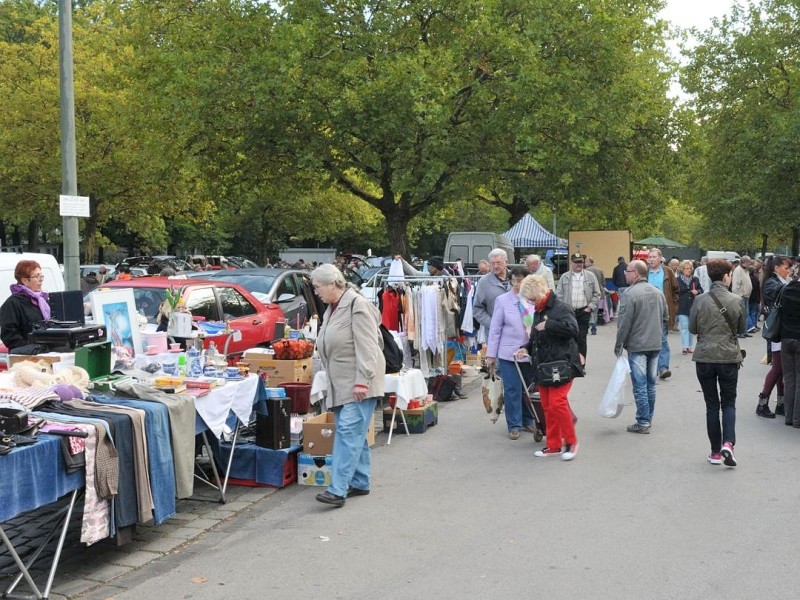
[292,349]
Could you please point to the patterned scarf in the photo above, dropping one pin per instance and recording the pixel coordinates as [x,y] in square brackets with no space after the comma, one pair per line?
[526,310]
[39,299]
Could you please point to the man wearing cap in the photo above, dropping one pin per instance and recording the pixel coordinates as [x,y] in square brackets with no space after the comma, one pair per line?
[537,267]
[435,267]
[601,281]
[581,291]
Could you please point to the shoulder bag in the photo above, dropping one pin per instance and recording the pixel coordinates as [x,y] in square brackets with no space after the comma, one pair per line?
[724,312]
[553,374]
[772,322]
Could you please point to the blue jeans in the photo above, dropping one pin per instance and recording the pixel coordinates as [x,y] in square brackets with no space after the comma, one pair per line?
[663,355]
[726,375]
[518,411]
[752,315]
[643,377]
[351,456]
[686,335]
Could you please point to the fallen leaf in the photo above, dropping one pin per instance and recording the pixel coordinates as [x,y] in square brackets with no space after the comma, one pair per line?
[199,579]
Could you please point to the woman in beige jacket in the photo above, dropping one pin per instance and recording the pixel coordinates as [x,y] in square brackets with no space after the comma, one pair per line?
[351,349]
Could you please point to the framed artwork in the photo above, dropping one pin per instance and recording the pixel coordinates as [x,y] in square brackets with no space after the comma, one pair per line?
[116,309]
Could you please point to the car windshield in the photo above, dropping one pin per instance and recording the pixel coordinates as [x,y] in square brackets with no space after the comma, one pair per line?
[370,273]
[256,284]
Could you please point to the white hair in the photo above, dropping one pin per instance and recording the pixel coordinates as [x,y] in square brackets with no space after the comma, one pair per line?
[498,253]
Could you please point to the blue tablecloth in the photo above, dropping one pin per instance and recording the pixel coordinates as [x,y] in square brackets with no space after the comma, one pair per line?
[35,476]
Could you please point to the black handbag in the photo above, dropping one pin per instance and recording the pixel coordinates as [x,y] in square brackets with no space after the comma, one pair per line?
[555,373]
[442,388]
[13,420]
[772,323]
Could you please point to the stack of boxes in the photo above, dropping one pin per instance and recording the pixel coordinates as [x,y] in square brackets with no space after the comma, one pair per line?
[314,463]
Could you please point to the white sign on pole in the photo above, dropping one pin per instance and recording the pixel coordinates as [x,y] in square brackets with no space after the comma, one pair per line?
[73,206]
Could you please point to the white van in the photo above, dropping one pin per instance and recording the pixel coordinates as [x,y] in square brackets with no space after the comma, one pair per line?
[53,278]
[731,256]
[473,246]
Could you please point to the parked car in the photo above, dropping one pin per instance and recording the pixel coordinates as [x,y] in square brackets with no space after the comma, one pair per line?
[152,265]
[86,269]
[290,289]
[373,279]
[259,323]
[240,262]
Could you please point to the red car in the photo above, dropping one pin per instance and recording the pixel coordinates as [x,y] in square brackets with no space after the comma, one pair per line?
[259,323]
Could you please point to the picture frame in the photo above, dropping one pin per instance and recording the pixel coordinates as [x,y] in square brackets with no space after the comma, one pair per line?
[116,310]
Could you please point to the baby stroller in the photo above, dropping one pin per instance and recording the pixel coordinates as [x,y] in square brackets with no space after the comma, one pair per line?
[530,394]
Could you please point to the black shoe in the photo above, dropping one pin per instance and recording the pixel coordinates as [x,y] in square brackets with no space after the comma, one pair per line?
[779,410]
[332,499]
[594,331]
[353,491]
[762,410]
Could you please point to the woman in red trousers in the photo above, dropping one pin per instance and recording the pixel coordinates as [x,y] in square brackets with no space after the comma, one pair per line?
[554,337]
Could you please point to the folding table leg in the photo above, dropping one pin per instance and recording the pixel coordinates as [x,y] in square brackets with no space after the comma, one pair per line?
[217,483]
[24,568]
[391,427]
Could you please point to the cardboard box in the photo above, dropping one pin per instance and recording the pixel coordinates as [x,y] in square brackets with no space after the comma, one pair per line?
[279,371]
[314,470]
[318,434]
[417,419]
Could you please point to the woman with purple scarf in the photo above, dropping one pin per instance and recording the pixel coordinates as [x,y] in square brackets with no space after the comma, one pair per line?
[512,320]
[27,305]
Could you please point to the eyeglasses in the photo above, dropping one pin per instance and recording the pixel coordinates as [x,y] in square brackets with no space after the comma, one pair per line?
[39,276]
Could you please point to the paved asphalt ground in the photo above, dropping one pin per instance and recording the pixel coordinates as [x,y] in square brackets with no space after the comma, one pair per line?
[463,512]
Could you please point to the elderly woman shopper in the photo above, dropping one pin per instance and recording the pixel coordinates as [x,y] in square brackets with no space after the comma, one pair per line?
[350,347]
[512,320]
[26,306]
[688,289]
[777,270]
[718,358]
[554,337]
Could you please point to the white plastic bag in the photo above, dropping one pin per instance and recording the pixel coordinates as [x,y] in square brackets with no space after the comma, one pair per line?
[492,391]
[614,396]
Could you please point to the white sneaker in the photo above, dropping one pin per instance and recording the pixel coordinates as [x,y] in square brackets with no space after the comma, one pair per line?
[570,452]
[545,452]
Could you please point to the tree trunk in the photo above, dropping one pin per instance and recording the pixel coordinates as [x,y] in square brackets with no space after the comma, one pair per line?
[396,227]
[3,241]
[795,240]
[33,236]
[764,242]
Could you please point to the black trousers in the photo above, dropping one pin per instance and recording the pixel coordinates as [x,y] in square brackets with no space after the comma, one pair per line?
[718,382]
[583,317]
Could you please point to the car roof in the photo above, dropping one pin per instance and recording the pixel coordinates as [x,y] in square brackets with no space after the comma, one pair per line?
[264,271]
[162,282]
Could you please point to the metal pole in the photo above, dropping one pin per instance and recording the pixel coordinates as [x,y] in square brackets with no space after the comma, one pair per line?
[69,169]
[555,233]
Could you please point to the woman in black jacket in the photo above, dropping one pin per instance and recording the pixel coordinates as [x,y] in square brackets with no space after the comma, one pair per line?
[776,275]
[554,337]
[26,305]
[790,351]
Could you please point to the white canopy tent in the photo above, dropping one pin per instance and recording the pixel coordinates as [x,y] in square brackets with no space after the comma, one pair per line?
[528,233]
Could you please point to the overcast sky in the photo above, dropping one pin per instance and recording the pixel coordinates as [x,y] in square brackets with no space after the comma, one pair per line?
[692,13]
[695,13]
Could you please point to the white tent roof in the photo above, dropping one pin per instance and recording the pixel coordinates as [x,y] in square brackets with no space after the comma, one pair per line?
[527,233]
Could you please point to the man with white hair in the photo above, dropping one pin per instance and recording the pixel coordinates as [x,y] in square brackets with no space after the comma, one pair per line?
[489,287]
[537,267]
